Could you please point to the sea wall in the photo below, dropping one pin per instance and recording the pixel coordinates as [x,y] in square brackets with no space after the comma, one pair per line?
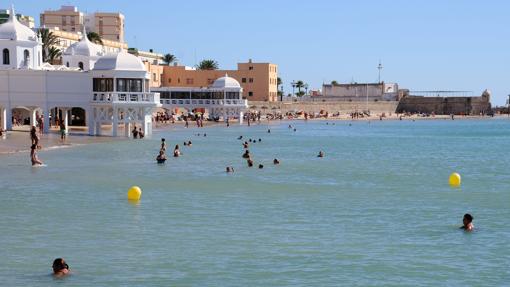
[445,105]
[331,107]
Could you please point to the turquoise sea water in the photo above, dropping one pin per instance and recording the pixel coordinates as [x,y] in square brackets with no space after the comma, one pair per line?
[377,210]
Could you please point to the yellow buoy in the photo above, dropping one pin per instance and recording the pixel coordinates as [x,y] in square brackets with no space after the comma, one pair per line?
[134,193]
[454,179]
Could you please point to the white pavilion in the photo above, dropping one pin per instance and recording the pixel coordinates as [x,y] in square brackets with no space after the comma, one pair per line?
[111,89]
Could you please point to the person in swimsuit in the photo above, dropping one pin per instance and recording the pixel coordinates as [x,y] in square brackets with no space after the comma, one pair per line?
[276,161]
[250,162]
[321,154]
[33,155]
[161,158]
[177,152]
[60,267]
[467,222]
[246,154]
[229,169]
[62,131]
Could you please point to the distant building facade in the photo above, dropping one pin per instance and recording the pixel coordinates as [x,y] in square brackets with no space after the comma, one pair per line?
[109,26]
[66,39]
[258,80]
[150,56]
[23,19]
[360,92]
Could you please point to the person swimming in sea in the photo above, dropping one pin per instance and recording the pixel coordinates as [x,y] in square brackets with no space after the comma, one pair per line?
[268,131]
[240,137]
[276,161]
[321,154]
[161,158]
[467,222]
[189,143]
[245,145]
[177,152]
[230,169]
[60,267]
[246,154]
[261,166]
[250,162]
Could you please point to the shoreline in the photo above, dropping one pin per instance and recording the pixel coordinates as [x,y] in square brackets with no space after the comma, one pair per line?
[18,141]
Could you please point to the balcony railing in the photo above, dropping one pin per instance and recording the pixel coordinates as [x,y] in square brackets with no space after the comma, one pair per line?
[222,102]
[123,97]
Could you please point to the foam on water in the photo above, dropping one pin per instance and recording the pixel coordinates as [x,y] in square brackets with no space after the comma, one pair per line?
[377,210]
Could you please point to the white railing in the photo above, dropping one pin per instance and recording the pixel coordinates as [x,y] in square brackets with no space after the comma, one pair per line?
[123,97]
[222,102]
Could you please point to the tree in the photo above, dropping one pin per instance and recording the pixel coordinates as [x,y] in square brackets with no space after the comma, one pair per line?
[48,40]
[53,54]
[169,59]
[278,84]
[299,85]
[334,83]
[95,38]
[207,65]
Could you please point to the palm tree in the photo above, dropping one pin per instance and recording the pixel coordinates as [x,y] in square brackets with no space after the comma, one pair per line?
[169,58]
[207,65]
[48,40]
[299,85]
[95,38]
[278,84]
[53,54]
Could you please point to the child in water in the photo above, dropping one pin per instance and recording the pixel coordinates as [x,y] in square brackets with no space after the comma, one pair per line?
[60,267]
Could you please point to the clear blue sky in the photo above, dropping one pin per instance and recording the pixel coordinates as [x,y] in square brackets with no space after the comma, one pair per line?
[433,44]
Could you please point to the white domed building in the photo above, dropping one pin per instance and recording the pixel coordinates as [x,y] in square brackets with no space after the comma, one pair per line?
[98,90]
[82,54]
[223,99]
[19,46]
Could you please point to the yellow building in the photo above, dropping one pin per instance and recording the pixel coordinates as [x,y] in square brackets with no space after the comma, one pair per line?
[109,26]
[67,19]
[258,80]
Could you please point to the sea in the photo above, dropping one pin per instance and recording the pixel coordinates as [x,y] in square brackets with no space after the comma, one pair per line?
[376,210]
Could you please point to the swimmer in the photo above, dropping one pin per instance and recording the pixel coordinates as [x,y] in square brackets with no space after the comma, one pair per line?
[260,140]
[290,126]
[189,143]
[321,154]
[246,154]
[250,162]
[60,267]
[276,161]
[250,140]
[467,222]
[177,152]
[268,131]
[295,130]
[161,158]
[185,143]
[240,137]
[230,169]
[261,166]
[245,144]
[205,135]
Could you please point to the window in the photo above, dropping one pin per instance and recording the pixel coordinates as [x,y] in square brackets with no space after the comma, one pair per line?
[154,77]
[169,80]
[251,80]
[26,57]
[102,85]
[250,94]
[6,57]
[80,65]
[67,64]
[189,81]
[129,85]
[250,68]
[179,80]
[243,80]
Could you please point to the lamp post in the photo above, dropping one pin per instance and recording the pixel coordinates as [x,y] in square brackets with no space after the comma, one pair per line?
[293,87]
[281,93]
[306,89]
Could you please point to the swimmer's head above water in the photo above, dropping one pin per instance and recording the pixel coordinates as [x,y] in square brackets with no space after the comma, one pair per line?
[60,267]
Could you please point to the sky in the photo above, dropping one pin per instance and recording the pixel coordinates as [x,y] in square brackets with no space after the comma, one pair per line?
[422,44]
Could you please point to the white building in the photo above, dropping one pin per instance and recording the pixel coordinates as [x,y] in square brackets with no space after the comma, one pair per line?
[110,89]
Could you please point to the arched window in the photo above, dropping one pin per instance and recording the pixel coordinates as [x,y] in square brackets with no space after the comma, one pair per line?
[26,57]
[5,54]
[67,64]
[80,65]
